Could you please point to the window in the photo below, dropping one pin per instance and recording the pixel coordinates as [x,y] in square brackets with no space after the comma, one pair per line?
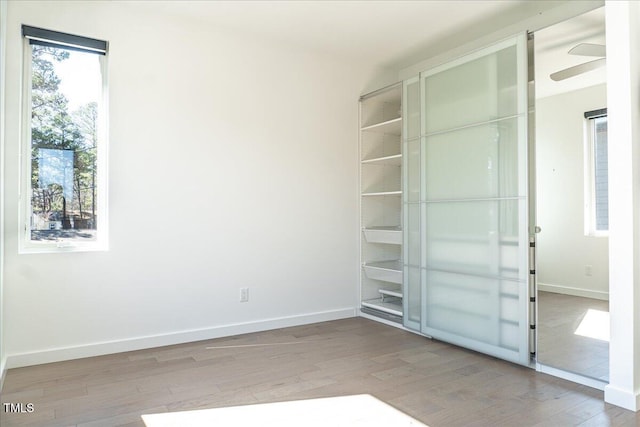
[596,174]
[64,142]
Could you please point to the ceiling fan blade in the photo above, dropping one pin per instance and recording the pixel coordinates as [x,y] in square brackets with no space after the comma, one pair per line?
[578,69]
[589,49]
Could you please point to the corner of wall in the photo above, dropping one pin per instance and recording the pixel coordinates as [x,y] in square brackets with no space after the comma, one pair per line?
[623,71]
[381,77]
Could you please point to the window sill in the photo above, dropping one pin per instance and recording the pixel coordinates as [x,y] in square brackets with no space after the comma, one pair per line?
[597,234]
[52,248]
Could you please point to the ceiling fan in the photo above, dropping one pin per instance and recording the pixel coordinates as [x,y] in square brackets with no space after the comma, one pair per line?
[582,49]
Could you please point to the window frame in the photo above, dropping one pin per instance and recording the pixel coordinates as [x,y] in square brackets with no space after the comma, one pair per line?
[590,192]
[25,244]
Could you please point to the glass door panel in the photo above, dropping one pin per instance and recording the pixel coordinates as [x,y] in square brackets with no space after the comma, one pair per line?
[474,162]
[483,309]
[474,252]
[479,89]
[411,108]
[477,238]
[413,189]
[412,294]
[413,171]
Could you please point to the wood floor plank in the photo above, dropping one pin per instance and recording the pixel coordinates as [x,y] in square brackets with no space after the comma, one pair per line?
[437,383]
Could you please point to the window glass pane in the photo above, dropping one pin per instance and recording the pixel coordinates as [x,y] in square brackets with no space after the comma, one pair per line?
[66,91]
[601,174]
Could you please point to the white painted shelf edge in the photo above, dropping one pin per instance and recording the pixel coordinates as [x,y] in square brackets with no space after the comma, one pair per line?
[392,264]
[382,124]
[384,227]
[384,193]
[395,159]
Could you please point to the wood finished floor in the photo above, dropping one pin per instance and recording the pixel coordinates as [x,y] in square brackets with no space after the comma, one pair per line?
[558,346]
[439,384]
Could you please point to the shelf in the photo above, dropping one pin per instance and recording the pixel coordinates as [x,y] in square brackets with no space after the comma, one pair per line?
[387,271]
[383,193]
[389,235]
[390,293]
[393,160]
[392,127]
[381,160]
[391,307]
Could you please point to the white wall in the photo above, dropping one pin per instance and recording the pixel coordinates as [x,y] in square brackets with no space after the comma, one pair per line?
[563,249]
[233,163]
[623,92]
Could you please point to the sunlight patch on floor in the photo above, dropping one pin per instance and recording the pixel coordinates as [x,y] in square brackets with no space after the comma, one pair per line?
[345,411]
[595,324]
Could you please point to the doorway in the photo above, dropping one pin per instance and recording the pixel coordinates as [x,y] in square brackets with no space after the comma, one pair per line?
[572,248]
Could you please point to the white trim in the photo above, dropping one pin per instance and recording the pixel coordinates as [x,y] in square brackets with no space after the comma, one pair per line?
[570,376]
[3,372]
[622,398]
[569,290]
[588,177]
[131,344]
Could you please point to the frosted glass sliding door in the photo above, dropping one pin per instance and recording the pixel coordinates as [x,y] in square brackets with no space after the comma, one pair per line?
[413,207]
[472,207]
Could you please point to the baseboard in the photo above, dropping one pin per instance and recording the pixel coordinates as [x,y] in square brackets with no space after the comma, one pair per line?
[623,398]
[578,292]
[139,343]
[3,371]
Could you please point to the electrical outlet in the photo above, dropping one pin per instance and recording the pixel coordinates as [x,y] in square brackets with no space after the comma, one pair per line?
[588,270]
[244,294]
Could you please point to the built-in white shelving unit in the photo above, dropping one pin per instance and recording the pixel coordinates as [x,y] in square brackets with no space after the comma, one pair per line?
[383,234]
[381,203]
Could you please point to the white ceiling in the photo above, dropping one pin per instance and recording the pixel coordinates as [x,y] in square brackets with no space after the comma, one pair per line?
[400,33]
[552,45]
[383,33]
